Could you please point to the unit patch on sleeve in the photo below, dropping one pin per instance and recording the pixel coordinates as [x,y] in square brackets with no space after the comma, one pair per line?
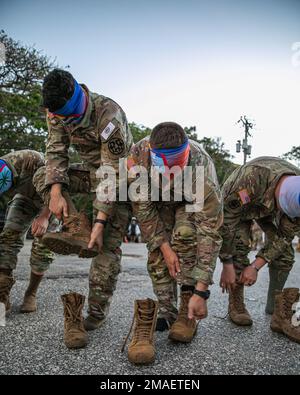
[116,146]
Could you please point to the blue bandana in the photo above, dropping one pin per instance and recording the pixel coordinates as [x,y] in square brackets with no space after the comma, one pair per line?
[6,177]
[75,107]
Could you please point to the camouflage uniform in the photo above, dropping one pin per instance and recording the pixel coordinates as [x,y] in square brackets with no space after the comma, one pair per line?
[193,236]
[22,210]
[101,138]
[249,194]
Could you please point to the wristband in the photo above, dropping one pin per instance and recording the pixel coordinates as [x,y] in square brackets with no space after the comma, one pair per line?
[100,221]
[203,294]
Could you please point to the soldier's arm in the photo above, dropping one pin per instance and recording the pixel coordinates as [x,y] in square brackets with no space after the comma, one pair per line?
[208,223]
[57,153]
[278,239]
[116,141]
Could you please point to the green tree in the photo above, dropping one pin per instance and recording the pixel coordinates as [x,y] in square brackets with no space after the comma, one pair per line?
[215,147]
[293,154]
[22,120]
[139,131]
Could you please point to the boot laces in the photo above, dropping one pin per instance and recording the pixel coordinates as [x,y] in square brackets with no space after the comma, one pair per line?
[143,324]
[72,224]
[73,315]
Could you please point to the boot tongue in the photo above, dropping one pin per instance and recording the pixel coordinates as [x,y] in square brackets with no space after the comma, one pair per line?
[145,309]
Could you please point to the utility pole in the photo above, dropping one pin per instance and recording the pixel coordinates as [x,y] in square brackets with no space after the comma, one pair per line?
[244,145]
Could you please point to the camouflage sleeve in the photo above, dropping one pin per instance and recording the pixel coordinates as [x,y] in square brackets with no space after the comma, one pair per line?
[208,222]
[278,239]
[116,141]
[57,153]
[152,227]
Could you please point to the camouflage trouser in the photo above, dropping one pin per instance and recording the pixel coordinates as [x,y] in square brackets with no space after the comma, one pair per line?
[20,215]
[106,266]
[181,228]
[242,246]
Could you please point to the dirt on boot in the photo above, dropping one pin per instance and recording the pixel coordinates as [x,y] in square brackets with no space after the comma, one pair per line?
[237,311]
[73,239]
[284,319]
[6,284]
[183,330]
[141,350]
[75,335]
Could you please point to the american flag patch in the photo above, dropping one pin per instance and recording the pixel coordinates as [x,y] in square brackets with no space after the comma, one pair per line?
[244,196]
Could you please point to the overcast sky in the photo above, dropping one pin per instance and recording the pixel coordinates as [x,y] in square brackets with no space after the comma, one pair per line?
[202,63]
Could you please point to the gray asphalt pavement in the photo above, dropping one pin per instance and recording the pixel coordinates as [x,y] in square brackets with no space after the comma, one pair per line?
[33,344]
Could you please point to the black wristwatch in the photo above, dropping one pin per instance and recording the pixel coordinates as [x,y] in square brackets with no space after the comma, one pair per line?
[203,294]
[100,221]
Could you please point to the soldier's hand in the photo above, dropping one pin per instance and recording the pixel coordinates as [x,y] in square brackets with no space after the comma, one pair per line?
[171,260]
[39,226]
[197,308]
[58,205]
[228,278]
[97,237]
[248,276]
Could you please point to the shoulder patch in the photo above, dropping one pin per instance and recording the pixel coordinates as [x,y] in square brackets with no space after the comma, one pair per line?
[108,131]
[116,146]
[244,196]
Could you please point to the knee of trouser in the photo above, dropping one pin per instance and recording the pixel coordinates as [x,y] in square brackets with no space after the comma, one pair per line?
[105,267]
[12,238]
[184,233]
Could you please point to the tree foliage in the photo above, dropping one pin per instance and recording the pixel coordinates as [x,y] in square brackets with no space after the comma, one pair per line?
[22,121]
[293,154]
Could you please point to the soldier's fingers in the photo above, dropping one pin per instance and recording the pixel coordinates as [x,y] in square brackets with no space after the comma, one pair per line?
[65,209]
[177,266]
[91,244]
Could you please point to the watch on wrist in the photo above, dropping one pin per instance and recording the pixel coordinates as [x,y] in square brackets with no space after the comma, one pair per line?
[100,221]
[203,294]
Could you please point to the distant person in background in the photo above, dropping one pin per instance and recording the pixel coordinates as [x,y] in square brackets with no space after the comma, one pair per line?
[134,232]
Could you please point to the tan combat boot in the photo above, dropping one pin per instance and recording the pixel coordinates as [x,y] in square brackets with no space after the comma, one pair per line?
[284,319]
[29,303]
[183,330]
[73,239]
[237,310]
[141,350]
[75,335]
[6,283]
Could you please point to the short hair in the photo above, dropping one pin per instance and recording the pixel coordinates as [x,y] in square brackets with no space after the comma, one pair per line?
[58,88]
[167,135]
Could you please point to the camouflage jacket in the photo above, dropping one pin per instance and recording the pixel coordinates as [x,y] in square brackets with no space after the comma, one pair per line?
[249,194]
[208,220]
[101,139]
[23,165]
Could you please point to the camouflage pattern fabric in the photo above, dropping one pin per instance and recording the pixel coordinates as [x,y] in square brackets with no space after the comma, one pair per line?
[249,194]
[193,236]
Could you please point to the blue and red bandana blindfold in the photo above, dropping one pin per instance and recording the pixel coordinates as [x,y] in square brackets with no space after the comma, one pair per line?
[170,157]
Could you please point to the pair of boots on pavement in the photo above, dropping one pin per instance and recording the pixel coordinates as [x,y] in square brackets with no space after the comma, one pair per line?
[282,317]
[141,350]
[7,281]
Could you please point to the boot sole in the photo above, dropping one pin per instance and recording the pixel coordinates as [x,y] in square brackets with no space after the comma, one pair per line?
[68,246]
[176,338]
[137,362]
[27,311]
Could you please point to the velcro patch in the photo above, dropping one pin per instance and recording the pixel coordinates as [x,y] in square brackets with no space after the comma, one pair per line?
[107,132]
[116,146]
[244,196]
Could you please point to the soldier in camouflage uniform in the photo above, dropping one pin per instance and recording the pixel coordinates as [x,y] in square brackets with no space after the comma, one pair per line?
[97,127]
[183,246]
[253,192]
[25,210]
